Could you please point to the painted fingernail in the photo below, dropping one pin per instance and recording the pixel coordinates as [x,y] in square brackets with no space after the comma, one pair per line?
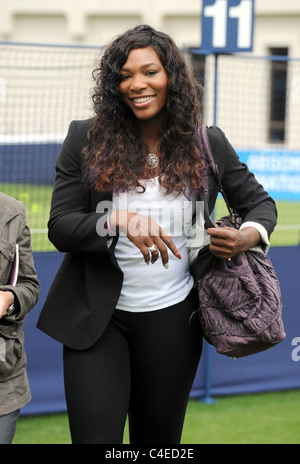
[166,266]
[178,255]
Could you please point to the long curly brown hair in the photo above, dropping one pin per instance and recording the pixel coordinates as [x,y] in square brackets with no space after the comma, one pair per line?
[115,154]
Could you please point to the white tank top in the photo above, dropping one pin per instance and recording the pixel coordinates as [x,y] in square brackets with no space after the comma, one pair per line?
[152,287]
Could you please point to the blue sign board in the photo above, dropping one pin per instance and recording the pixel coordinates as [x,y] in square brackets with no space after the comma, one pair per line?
[277,170]
[227,26]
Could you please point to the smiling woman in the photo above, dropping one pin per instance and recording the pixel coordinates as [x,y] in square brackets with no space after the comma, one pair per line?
[158,112]
[130,344]
[143,88]
[144,84]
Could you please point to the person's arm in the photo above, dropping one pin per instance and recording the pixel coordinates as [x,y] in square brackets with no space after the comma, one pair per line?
[246,196]
[227,242]
[72,228]
[25,294]
[6,301]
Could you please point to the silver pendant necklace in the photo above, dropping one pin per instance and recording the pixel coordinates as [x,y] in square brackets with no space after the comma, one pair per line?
[152,158]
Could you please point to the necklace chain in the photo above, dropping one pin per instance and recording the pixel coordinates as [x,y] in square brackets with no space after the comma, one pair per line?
[153,151]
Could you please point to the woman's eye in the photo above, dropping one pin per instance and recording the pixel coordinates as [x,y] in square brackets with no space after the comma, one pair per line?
[124,77]
[151,73]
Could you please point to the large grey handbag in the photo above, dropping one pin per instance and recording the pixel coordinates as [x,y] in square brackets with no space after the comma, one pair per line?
[240,303]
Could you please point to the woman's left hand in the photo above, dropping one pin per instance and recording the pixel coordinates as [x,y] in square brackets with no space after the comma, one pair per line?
[227,242]
[6,299]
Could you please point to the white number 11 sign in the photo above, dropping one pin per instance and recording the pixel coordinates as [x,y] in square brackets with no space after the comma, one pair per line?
[227,25]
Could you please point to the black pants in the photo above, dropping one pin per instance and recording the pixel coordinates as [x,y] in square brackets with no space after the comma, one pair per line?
[144,366]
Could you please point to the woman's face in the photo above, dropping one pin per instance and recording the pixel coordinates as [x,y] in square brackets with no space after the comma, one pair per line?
[144,83]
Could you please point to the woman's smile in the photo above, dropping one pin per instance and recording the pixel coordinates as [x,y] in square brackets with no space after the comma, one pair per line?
[142,102]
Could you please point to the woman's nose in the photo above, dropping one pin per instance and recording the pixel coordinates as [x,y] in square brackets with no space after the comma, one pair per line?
[138,83]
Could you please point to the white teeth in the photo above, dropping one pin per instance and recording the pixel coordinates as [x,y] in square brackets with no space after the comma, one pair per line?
[142,100]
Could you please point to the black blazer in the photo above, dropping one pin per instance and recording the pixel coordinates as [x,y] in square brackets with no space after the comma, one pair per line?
[87,286]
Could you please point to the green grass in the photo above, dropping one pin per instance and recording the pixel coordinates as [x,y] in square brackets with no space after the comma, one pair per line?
[288,215]
[37,200]
[271,418]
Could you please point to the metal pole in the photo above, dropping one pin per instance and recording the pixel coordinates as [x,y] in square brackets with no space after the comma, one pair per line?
[208,352]
[216,89]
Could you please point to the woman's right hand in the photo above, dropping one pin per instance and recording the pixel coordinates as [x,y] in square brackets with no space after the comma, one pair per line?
[144,233]
[6,299]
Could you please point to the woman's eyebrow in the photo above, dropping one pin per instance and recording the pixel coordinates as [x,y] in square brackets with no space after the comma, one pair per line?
[149,64]
[142,67]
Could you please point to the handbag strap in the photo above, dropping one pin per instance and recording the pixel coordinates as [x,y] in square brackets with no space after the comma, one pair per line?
[214,167]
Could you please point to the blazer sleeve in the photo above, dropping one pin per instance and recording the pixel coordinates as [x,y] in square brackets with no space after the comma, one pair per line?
[245,194]
[72,227]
